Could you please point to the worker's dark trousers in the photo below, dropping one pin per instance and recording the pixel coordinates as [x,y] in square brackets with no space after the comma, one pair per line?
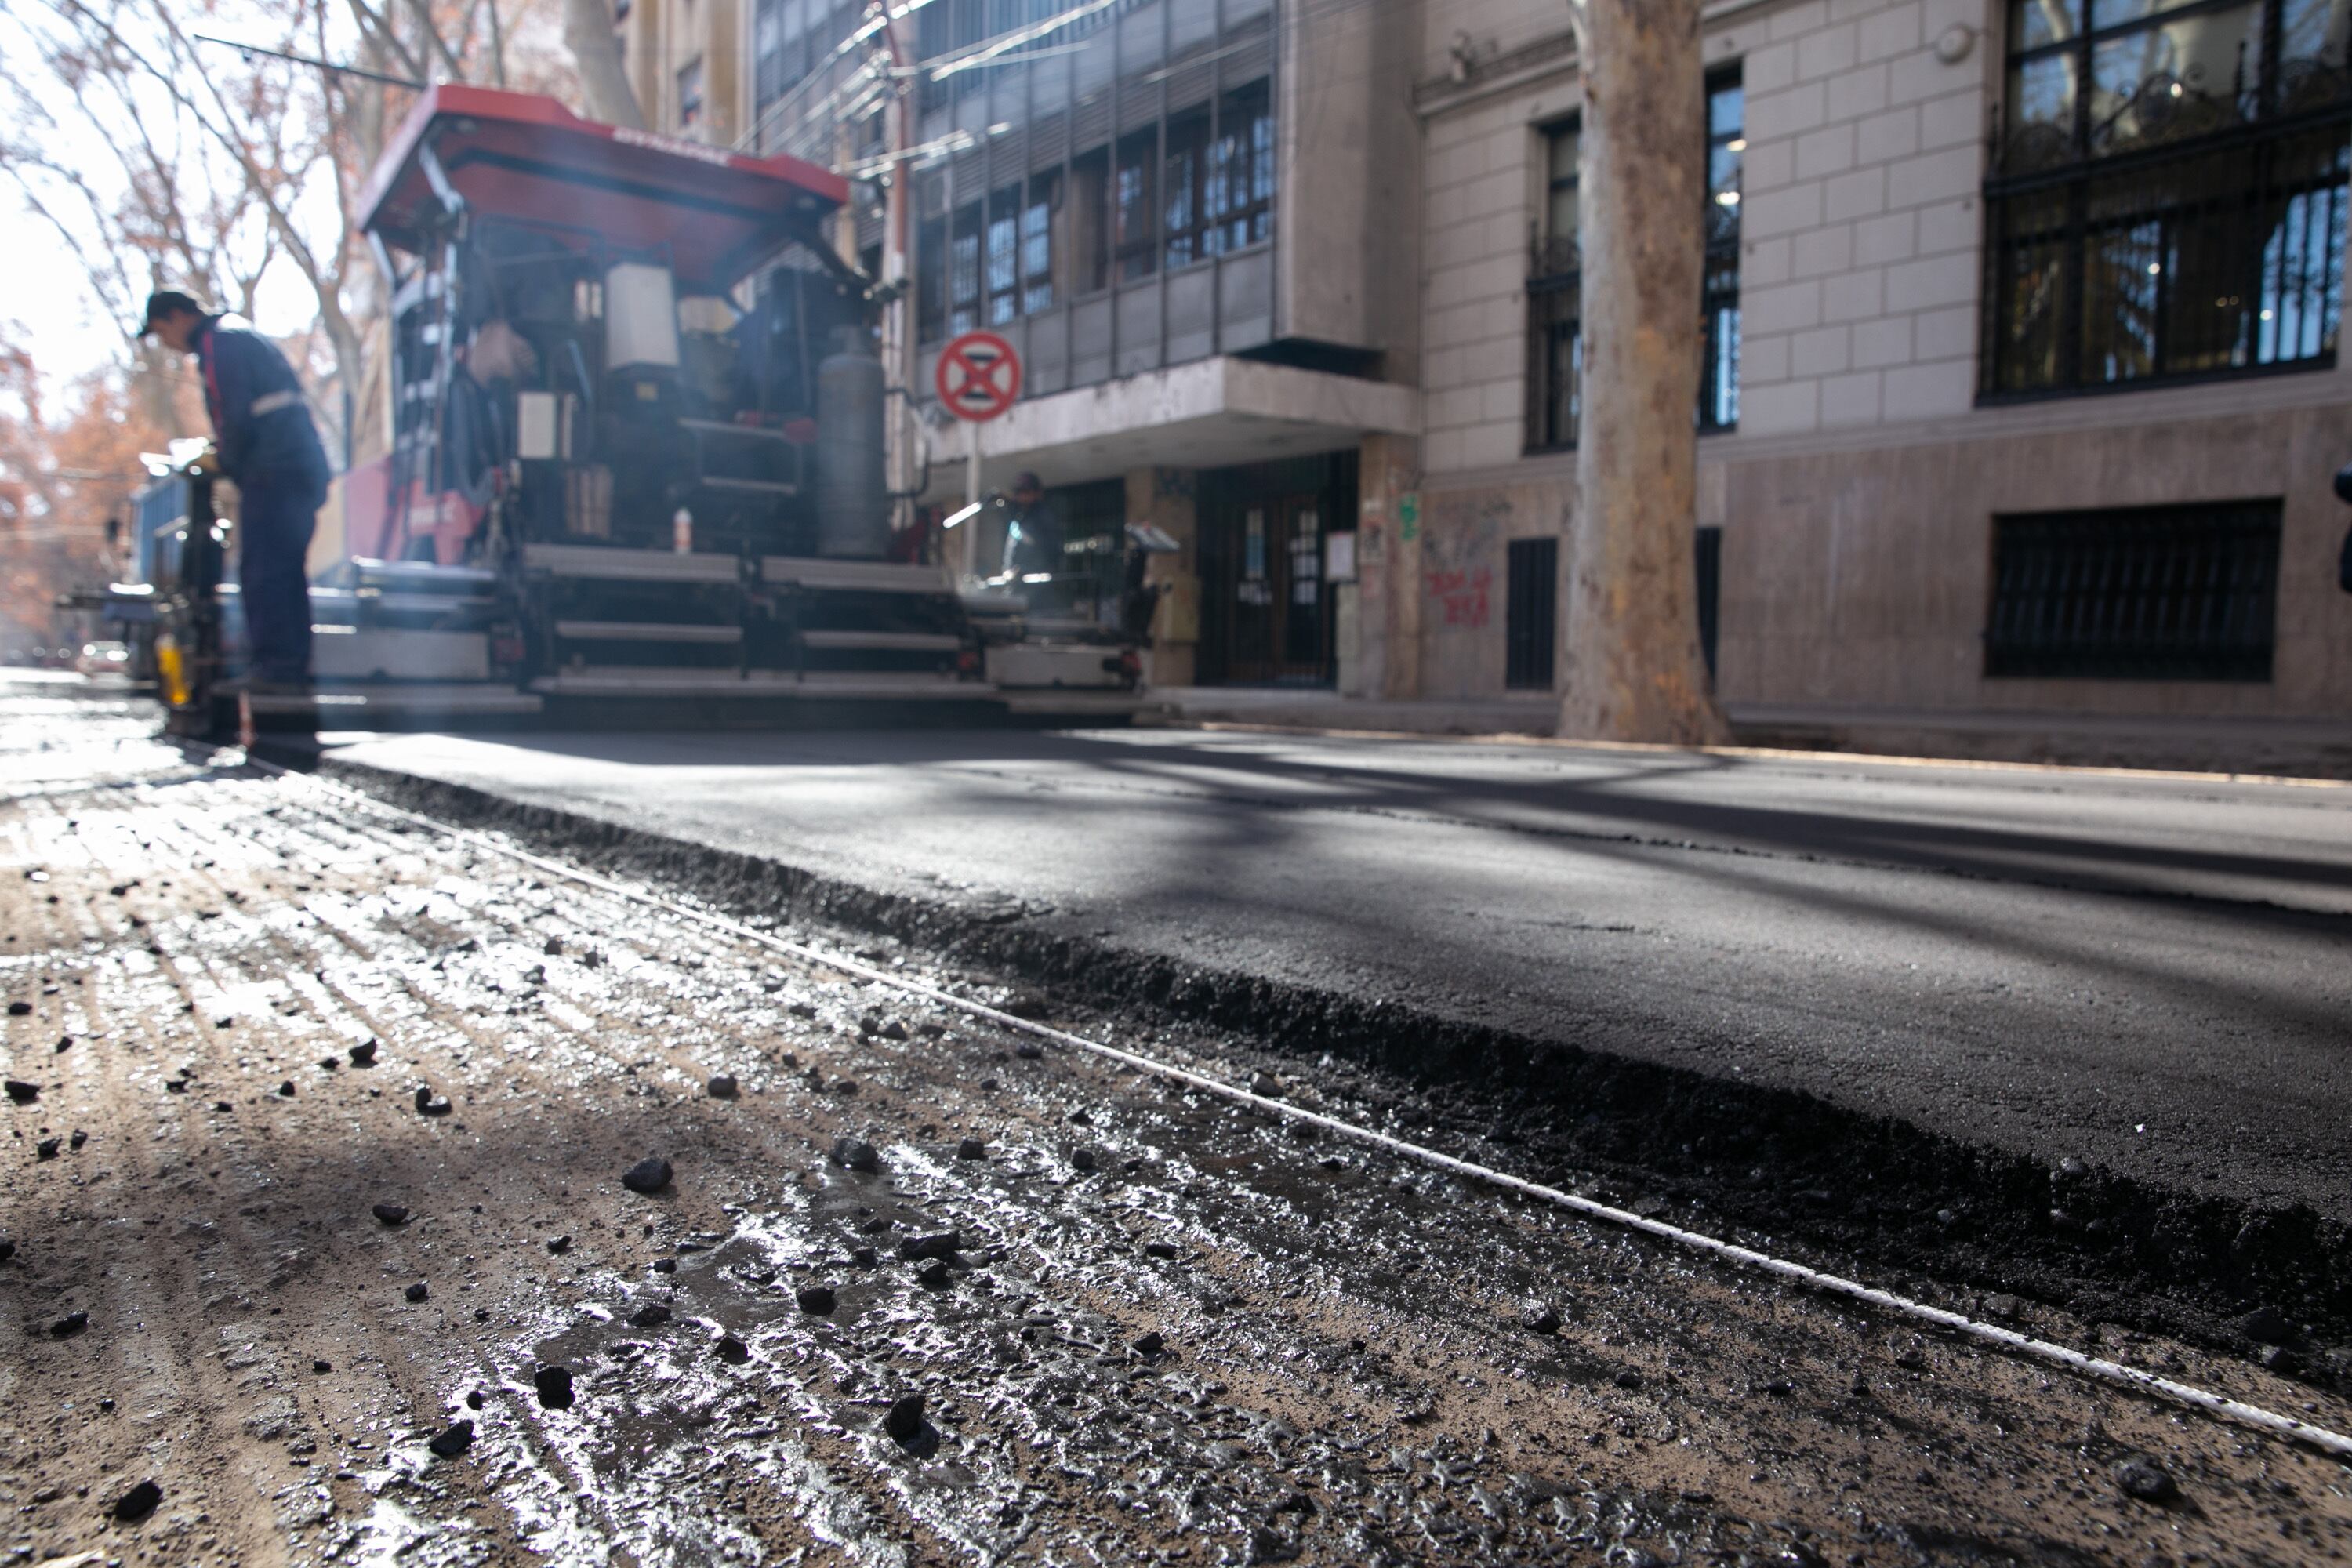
[274,517]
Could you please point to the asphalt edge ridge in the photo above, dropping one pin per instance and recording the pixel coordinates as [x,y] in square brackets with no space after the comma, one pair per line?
[2101,1245]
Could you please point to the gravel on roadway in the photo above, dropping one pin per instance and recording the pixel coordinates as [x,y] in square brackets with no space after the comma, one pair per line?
[1134,1323]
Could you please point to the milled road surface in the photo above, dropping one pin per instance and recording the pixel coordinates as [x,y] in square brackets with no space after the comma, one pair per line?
[1162,1329]
[2145,973]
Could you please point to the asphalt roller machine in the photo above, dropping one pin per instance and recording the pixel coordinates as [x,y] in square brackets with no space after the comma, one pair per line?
[635,472]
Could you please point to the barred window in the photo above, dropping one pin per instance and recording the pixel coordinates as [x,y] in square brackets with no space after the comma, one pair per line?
[2167,195]
[1727,148]
[1554,302]
[2166,593]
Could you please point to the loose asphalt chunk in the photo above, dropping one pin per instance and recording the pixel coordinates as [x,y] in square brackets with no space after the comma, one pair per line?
[971,1149]
[940,1244]
[69,1325]
[77,1140]
[732,1351]
[904,1419]
[553,1385]
[138,1503]
[1083,1159]
[650,1174]
[651,1316]
[23,1093]
[391,1214]
[20,1009]
[364,1054]
[559,1245]
[2143,1477]
[454,1439]
[856,1154]
[8,1248]
[1539,1318]
[429,1104]
[934,1275]
[721,1086]
[2265,1326]
[419,1291]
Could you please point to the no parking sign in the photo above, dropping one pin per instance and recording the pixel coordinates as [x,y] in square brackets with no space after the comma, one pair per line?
[979,376]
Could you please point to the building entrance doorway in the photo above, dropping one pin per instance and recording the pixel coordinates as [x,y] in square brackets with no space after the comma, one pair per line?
[1266,610]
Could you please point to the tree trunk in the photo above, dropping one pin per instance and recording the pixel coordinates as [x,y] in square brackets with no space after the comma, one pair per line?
[1634,668]
[603,85]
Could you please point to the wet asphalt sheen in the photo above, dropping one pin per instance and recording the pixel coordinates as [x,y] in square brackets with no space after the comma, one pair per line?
[2151,973]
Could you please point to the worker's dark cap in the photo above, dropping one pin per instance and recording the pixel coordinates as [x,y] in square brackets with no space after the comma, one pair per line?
[1025,480]
[165,303]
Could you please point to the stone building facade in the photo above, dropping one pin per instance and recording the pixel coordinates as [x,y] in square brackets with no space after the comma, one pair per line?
[1986,454]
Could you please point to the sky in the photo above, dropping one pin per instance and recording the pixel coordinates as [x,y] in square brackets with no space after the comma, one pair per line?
[54,313]
[51,306]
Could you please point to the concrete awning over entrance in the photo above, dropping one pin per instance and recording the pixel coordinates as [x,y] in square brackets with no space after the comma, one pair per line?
[1212,412]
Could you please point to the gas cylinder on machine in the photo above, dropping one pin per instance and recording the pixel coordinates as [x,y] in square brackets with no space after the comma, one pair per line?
[853,502]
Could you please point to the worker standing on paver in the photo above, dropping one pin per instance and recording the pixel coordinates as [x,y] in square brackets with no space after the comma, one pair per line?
[1032,529]
[263,441]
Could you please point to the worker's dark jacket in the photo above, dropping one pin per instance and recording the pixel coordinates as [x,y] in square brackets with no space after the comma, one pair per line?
[259,421]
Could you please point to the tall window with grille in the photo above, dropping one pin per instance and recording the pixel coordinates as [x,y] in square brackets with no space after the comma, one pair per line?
[2167,193]
[1727,149]
[1555,295]
[1555,302]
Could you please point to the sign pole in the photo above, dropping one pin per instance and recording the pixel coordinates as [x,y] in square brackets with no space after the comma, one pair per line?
[979,377]
[971,495]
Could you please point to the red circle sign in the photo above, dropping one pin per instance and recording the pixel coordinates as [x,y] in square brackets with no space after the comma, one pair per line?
[979,376]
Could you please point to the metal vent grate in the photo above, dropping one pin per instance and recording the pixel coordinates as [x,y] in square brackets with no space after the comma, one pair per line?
[2169,592]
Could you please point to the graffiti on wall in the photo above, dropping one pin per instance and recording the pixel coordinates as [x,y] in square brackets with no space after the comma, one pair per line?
[1462,596]
[1460,541]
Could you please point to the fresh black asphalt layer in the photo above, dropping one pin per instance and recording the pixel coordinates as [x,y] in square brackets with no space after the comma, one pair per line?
[2085,1030]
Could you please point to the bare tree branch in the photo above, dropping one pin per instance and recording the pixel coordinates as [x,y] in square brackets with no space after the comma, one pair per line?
[377,30]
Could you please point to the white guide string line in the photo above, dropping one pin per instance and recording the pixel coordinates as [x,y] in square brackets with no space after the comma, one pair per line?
[2007,1339]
